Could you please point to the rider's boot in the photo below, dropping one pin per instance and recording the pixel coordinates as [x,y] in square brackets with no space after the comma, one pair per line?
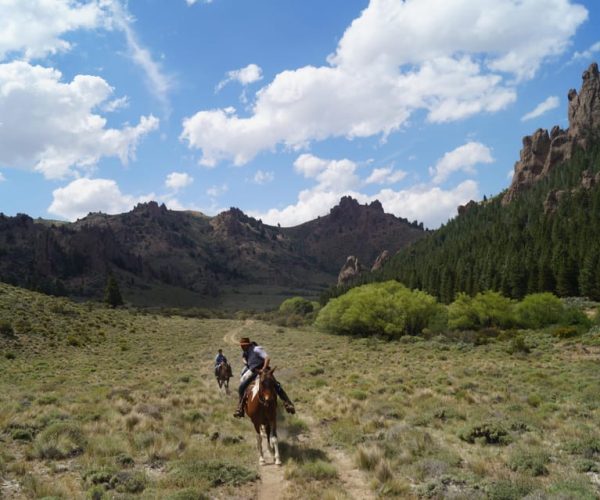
[239,413]
[287,403]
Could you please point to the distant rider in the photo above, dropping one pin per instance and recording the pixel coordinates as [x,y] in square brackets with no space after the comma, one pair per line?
[255,359]
[220,358]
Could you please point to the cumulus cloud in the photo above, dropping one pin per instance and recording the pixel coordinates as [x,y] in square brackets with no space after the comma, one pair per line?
[83,196]
[245,76]
[216,191]
[451,58]
[34,28]
[262,177]
[178,180]
[336,178]
[464,158]
[52,127]
[549,104]
[588,53]
[385,175]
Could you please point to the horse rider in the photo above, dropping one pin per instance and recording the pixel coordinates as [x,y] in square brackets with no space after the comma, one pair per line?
[220,358]
[256,359]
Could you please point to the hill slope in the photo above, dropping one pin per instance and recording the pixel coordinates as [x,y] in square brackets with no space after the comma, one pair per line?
[164,256]
[542,234]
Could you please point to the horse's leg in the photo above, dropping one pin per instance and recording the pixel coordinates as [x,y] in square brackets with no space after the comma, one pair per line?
[273,441]
[227,386]
[261,458]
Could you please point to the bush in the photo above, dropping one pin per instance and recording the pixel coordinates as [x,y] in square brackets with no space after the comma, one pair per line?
[6,329]
[518,346]
[538,310]
[566,332]
[529,461]
[486,433]
[386,309]
[297,305]
[60,440]
[487,309]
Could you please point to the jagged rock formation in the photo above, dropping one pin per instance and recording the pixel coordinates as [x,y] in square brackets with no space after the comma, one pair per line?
[152,248]
[463,209]
[350,270]
[543,151]
[588,181]
[381,259]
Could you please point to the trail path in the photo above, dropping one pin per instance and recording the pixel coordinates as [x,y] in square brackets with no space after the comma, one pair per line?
[354,480]
[273,485]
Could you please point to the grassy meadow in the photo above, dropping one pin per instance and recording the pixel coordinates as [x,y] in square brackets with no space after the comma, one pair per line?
[101,403]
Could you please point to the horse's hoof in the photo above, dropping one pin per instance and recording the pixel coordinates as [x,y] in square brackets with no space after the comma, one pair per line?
[261,461]
[277,462]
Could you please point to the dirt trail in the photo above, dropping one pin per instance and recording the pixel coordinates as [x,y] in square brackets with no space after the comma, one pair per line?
[354,480]
[273,485]
[232,337]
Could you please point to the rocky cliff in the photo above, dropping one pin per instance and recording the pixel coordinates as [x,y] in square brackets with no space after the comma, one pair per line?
[543,151]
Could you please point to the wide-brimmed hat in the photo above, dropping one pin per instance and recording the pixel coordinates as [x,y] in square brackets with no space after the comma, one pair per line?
[244,341]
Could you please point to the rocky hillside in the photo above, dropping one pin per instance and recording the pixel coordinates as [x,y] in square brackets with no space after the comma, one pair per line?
[542,152]
[152,247]
[542,234]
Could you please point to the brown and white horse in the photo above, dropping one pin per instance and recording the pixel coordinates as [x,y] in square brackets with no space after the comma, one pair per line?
[223,375]
[261,406]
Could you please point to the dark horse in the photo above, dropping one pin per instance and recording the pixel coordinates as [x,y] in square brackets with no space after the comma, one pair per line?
[223,373]
[261,406]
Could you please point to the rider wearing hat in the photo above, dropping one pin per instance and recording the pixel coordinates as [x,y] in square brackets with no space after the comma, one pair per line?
[220,358]
[255,359]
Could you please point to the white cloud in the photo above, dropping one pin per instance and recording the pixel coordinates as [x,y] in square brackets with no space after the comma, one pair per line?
[245,76]
[451,58]
[192,2]
[52,127]
[216,191]
[385,175]
[464,158]
[33,28]
[589,53]
[262,177]
[116,104]
[178,180]
[158,83]
[82,196]
[551,103]
[336,178]
[2,178]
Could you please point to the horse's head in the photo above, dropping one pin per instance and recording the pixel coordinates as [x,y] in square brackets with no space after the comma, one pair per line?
[267,385]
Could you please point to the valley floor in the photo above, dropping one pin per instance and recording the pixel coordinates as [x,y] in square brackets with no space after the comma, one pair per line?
[100,403]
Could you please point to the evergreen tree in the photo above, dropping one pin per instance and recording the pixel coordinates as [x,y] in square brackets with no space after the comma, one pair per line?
[112,294]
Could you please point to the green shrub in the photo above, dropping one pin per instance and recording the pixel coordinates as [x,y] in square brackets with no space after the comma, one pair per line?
[386,309]
[518,346]
[6,329]
[297,305]
[60,440]
[538,310]
[573,316]
[509,490]
[487,309]
[566,332]
[485,433]
[529,461]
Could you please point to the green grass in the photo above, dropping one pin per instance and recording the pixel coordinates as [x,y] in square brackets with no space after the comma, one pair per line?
[132,409]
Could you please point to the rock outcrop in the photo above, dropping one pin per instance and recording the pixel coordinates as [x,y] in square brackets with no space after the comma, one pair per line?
[463,209]
[544,151]
[350,270]
[588,181]
[381,259]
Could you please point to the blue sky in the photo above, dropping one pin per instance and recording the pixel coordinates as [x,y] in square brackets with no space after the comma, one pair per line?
[278,107]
